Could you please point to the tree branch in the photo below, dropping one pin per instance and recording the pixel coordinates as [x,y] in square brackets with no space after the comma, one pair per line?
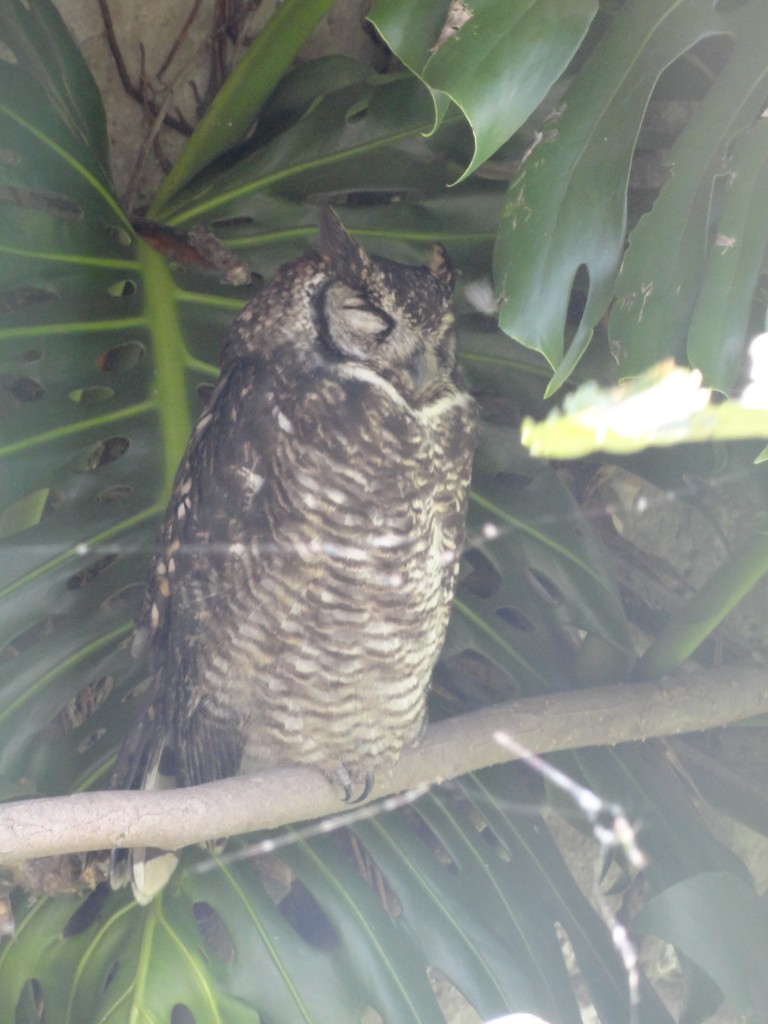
[171,819]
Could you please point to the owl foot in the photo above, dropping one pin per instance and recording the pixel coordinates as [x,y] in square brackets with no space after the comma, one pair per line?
[347,783]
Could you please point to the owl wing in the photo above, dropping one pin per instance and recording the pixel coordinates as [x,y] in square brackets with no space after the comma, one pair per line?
[454,452]
[213,513]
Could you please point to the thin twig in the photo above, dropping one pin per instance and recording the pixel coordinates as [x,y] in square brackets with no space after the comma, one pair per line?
[147,143]
[136,93]
[178,41]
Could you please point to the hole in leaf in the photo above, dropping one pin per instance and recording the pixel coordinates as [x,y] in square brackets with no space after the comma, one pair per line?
[77,711]
[692,74]
[431,841]
[30,356]
[111,495]
[101,454]
[121,357]
[488,835]
[31,1005]
[357,112]
[232,222]
[305,915]
[516,619]
[573,636]
[479,670]
[119,234]
[7,922]
[48,202]
[110,975]
[23,389]
[371,1016]
[91,394]
[90,573]
[453,1004]
[87,912]
[370,872]
[213,932]
[136,692]
[83,705]
[127,597]
[85,745]
[26,295]
[515,481]
[543,586]
[29,511]
[484,580]
[577,301]
[274,874]
[674,100]
[182,1014]
[121,288]
[29,637]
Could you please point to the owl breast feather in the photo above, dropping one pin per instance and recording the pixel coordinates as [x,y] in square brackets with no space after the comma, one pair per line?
[334,611]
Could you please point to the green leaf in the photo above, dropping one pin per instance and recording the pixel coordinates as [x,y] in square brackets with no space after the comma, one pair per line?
[728,584]
[501,797]
[73,337]
[548,575]
[733,792]
[41,54]
[716,919]
[495,60]
[347,140]
[304,937]
[674,251]
[103,347]
[654,798]
[567,207]
[241,98]
[719,327]
[438,869]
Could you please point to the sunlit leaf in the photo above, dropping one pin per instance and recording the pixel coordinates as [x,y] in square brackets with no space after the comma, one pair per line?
[664,406]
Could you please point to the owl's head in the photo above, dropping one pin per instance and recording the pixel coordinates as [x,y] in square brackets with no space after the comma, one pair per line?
[390,316]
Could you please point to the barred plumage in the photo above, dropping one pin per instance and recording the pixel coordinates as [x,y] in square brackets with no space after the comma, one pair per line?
[311,543]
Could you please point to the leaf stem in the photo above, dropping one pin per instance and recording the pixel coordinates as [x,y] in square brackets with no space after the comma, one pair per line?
[720,594]
[170,354]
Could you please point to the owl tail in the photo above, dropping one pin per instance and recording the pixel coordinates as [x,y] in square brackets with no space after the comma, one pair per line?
[146,761]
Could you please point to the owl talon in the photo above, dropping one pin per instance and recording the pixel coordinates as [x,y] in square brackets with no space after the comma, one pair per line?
[367,787]
[347,783]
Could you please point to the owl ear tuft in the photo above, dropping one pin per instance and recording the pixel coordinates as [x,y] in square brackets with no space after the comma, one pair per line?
[348,259]
[439,265]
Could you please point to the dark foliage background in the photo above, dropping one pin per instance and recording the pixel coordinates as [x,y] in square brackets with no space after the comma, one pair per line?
[512,138]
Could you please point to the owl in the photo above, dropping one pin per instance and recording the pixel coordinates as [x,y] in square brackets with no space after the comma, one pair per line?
[310,548]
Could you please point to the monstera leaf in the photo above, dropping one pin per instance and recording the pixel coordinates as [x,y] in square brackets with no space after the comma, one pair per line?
[687,283]
[107,351]
[496,61]
[310,939]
